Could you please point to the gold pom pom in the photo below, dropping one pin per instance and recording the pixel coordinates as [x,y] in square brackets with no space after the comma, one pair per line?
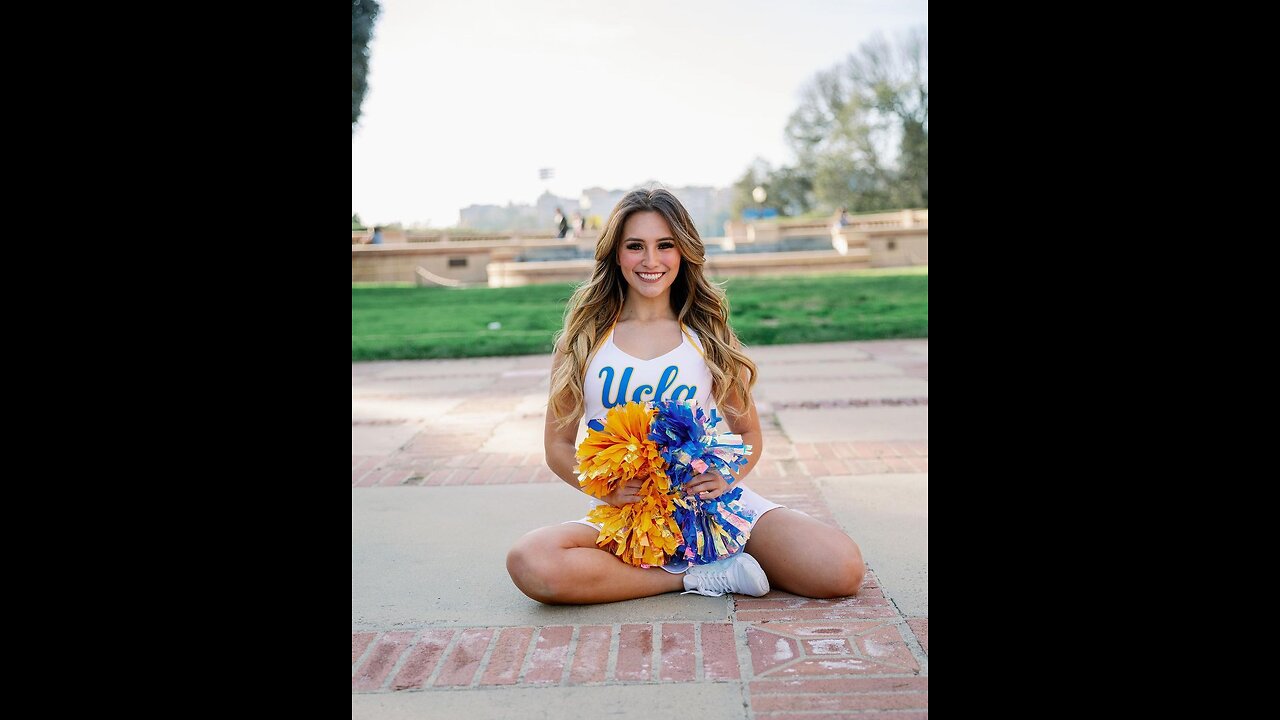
[644,532]
[619,452]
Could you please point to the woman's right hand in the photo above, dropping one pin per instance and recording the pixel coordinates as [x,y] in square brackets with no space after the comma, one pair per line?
[627,492]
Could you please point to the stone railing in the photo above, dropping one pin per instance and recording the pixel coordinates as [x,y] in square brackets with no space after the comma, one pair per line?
[514,274]
[880,240]
[894,247]
[399,262]
[451,260]
[741,232]
[364,237]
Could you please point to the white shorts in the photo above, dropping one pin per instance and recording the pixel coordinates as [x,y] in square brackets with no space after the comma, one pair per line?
[750,498]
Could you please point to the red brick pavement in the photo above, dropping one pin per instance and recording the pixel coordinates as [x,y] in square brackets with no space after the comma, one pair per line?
[804,658]
[457,460]
[556,655]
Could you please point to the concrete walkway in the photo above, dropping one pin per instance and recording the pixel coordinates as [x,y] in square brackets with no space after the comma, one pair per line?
[447,472]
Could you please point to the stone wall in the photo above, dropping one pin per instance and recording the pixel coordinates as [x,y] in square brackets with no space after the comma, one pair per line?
[512,274]
[882,240]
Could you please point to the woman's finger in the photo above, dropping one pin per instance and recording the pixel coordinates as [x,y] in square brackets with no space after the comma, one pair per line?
[702,489]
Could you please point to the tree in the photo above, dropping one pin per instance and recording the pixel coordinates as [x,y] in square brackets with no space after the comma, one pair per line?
[791,191]
[363,15]
[755,175]
[861,133]
[788,189]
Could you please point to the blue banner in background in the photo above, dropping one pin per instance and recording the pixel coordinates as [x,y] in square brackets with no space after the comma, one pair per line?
[757,214]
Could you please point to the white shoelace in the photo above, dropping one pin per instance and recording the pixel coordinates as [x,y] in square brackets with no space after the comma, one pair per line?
[711,584]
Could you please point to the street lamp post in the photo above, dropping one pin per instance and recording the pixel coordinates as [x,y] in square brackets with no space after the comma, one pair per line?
[758,195]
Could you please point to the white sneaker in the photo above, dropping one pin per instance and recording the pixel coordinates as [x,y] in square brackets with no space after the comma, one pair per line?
[738,573]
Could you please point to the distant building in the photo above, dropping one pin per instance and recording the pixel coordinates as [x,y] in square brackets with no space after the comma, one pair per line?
[708,207]
[500,218]
[546,208]
[602,202]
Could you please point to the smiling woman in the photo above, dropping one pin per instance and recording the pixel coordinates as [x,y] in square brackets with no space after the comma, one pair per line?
[649,327]
[648,257]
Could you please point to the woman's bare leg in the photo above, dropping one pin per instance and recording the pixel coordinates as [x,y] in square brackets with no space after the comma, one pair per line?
[561,565]
[804,556]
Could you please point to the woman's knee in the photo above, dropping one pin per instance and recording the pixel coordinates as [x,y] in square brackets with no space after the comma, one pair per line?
[845,572]
[531,563]
[853,571]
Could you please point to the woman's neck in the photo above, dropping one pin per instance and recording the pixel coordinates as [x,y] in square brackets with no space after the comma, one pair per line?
[643,309]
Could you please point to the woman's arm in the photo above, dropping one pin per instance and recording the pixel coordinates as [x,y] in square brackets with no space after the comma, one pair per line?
[740,415]
[559,445]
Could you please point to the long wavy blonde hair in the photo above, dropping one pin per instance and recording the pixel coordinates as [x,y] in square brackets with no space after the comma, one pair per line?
[697,303]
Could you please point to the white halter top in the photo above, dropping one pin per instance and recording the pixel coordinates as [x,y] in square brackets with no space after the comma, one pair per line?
[615,378]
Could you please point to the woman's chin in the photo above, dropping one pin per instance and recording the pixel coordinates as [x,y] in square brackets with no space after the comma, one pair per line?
[652,291]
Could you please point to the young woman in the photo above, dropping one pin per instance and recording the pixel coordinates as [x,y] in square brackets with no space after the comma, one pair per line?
[649,326]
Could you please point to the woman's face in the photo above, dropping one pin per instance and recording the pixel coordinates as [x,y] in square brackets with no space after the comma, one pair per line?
[648,255]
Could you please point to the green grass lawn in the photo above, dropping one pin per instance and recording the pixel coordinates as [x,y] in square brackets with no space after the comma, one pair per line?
[401,323]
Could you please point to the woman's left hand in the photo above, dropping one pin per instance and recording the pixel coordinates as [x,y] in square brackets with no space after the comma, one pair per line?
[707,486]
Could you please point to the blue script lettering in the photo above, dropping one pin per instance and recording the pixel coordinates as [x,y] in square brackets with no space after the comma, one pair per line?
[619,397]
[666,386]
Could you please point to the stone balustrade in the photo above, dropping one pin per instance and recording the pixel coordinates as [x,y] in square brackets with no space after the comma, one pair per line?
[514,274]
[880,240]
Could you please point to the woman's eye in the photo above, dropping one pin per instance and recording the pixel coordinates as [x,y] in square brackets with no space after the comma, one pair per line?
[635,246]
[666,246]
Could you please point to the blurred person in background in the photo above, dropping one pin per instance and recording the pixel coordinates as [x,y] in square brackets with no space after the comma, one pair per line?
[562,224]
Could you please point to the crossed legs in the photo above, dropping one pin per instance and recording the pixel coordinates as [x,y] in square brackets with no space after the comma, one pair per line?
[805,556]
[561,564]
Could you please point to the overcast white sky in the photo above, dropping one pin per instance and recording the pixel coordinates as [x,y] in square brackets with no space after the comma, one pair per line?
[468,99]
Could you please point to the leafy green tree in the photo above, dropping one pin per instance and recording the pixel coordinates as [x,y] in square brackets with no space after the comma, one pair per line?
[789,190]
[363,15]
[861,133]
[755,175]
[355,222]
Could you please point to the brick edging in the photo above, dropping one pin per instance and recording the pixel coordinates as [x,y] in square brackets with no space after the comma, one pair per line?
[793,654]
[554,655]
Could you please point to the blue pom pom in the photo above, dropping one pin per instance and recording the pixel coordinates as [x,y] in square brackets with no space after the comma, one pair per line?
[712,529]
